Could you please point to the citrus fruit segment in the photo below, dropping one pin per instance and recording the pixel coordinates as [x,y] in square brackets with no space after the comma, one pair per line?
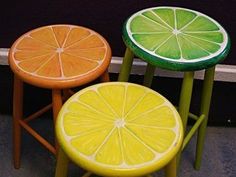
[147,25]
[176,38]
[50,68]
[30,54]
[90,142]
[46,36]
[158,139]
[141,155]
[166,15]
[34,63]
[63,52]
[91,41]
[184,17]
[110,151]
[75,66]
[100,125]
[75,35]
[151,41]
[169,48]
[60,34]
[32,44]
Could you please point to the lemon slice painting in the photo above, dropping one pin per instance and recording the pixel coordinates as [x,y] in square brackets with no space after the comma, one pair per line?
[119,129]
[176,38]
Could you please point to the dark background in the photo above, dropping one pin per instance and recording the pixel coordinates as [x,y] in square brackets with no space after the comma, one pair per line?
[107,17]
[103,16]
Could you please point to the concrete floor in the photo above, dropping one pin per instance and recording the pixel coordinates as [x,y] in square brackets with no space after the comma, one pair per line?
[219,158]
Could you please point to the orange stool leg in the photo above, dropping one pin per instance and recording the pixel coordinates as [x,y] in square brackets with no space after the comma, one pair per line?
[17,115]
[56,106]
[105,77]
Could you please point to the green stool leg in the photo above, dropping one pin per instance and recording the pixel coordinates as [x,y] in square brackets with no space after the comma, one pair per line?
[62,164]
[170,169]
[126,66]
[185,97]
[149,75]
[205,106]
[184,102]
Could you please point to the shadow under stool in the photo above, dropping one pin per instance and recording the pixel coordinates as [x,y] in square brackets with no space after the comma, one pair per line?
[118,129]
[177,39]
[56,57]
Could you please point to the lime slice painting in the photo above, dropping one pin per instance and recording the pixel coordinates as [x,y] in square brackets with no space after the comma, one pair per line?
[100,126]
[176,34]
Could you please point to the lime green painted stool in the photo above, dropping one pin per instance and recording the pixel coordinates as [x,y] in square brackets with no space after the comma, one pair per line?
[118,129]
[177,39]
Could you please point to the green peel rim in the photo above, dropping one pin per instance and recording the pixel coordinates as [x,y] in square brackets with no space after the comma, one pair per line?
[169,64]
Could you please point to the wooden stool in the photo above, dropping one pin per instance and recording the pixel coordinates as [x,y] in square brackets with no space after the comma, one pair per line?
[118,129]
[56,57]
[177,39]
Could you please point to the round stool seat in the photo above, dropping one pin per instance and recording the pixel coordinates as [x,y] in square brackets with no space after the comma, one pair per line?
[59,56]
[176,38]
[119,129]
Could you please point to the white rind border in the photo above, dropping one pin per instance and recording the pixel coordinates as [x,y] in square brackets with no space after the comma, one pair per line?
[225,73]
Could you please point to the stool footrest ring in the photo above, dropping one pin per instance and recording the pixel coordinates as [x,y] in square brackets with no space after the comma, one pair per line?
[190,115]
[38,137]
[193,130]
[193,116]
[38,113]
[44,109]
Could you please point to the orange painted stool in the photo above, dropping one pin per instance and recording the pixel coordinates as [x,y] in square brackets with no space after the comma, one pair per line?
[56,57]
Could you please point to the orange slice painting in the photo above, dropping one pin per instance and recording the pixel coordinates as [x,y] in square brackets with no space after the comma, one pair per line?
[59,53]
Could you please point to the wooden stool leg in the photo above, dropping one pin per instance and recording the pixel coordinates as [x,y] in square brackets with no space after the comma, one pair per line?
[126,66]
[205,106]
[185,101]
[171,169]
[105,77]
[148,77]
[56,106]
[62,164]
[17,115]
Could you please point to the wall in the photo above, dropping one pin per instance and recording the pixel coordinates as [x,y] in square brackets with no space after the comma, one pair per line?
[104,16]
[107,17]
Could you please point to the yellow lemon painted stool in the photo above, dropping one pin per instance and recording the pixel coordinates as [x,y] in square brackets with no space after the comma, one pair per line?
[118,129]
[177,39]
[55,57]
